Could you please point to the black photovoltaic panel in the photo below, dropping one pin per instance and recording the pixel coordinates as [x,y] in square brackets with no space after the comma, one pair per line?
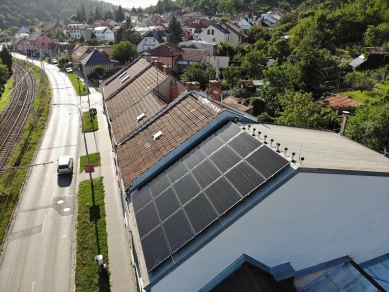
[225,158]
[205,173]
[211,144]
[244,178]
[167,203]
[222,195]
[244,144]
[200,213]
[267,162]
[228,131]
[178,230]
[186,188]
[155,248]
[159,184]
[194,157]
[140,198]
[147,219]
[176,171]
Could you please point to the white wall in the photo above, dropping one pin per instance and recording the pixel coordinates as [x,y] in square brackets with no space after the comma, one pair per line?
[312,219]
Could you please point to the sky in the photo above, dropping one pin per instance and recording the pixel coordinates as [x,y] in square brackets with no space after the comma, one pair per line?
[133,3]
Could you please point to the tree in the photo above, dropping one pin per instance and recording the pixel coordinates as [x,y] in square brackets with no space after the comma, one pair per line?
[128,33]
[119,15]
[358,81]
[98,13]
[254,62]
[175,31]
[124,52]
[226,49]
[92,42]
[4,74]
[200,73]
[301,110]
[62,62]
[82,40]
[232,75]
[377,35]
[370,126]
[99,70]
[6,58]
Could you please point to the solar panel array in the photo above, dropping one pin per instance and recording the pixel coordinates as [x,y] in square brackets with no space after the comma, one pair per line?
[199,188]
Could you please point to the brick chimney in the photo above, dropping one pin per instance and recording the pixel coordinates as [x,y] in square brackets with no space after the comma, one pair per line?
[156,63]
[173,90]
[147,57]
[167,69]
[215,89]
[194,85]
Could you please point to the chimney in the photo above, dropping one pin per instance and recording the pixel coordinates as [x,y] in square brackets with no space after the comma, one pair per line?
[344,121]
[196,86]
[173,90]
[215,89]
[157,64]
[167,69]
[147,57]
[189,86]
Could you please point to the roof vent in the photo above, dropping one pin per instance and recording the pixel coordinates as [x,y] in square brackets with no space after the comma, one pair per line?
[157,135]
[121,75]
[278,147]
[292,158]
[141,116]
[128,76]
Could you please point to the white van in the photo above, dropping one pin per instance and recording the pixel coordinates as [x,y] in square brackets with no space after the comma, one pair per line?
[65,165]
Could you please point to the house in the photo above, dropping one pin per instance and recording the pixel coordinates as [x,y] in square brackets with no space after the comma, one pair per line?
[61,49]
[341,103]
[151,40]
[168,53]
[190,56]
[215,34]
[210,47]
[132,15]
[21,45]
[24,30]
[93,59]
[103,33]
[39,42]
[272,17]
[375,57]
[238,103]
[79,52]
[194,16]
[237,35]
[78,30]
[45,27]
[109,23]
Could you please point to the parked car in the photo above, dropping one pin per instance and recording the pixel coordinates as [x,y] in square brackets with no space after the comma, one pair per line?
[69,70]
[54,61]
[65,165]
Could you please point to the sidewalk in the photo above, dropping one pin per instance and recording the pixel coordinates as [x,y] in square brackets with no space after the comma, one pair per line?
[122,274]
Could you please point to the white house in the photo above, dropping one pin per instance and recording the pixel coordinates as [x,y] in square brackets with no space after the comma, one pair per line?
[103,33]
[210,47]
[78,30]
[215,34]
[151,40]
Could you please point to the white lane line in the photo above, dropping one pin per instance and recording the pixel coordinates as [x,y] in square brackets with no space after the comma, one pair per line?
[43,225]
[32,287]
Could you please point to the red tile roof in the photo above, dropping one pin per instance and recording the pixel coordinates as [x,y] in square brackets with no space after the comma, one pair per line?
[234,102]
[166,50]
[340,102]
[178,122]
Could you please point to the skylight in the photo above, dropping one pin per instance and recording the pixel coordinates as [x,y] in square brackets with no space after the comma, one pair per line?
[141,116]
[121,75]
[128,76]
[157,135]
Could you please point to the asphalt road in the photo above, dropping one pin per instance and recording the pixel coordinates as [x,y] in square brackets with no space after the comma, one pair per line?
[39,252]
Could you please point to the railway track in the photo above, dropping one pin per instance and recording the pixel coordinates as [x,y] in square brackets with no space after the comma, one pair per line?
[13,118]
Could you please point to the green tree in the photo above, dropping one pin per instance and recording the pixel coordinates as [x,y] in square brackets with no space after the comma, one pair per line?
[119,15]
[98,13]
[4,74]
[99,70]
[175,31]
[128,33]
[370,126]
[62,62]
[257,32]
[82,40]
[358,80]
[124,52]
[200,73]
[226,49]
[92,42]
[232,75]
[254,62]
[377,35]
[301,110]
[6,58]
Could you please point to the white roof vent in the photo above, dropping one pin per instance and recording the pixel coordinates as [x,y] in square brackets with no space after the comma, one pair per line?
[141,116]
[157,135]
[121,75]
[128,76]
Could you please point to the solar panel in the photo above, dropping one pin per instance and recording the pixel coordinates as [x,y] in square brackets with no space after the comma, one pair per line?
[211,144]
[200,213]
[225,158]
[167,203]
[244,144]
[194,157]
[228,131]
[176,171]
[205,173]
[140,198]
[178,230]
[244,178]
[155,248]
[222,195]
[267,162]
[159,184]
[186,188]
[147,219]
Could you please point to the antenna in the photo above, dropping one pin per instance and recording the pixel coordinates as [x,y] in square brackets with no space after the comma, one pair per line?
[301,147]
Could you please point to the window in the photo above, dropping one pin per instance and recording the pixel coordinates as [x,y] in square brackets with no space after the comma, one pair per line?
[107,70]
[214,39]
[212,32]
[43,44]
[207,31]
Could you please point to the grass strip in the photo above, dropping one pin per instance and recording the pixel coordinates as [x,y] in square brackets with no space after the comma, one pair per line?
[91,238]
[7,94]
[91,123]
[93,158]
[78,84]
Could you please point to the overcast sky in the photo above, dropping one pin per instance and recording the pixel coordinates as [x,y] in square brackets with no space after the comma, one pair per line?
[132,3]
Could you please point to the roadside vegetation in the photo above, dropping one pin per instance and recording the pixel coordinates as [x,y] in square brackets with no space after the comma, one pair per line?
[12,181]
[6,96]
[78,84]
[91,238]
[93,158]
[91,122]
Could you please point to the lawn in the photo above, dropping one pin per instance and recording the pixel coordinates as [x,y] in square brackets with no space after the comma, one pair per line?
[93,158]
[91,123]
[78,84]
[365,97]
[6,96]
[91,238]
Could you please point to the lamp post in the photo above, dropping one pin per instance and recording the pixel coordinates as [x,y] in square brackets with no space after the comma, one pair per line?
[79,89]
[86,146]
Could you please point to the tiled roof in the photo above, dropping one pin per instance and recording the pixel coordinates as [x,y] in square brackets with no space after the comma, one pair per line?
[158,35]
[218,27]
[340,102]
[178,122]
[234,102]
[193,54]
[166,50]
[35,36]
[96,58]
[80,52]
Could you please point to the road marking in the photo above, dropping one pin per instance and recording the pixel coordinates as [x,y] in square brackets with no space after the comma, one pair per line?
[43,225]
[32,287]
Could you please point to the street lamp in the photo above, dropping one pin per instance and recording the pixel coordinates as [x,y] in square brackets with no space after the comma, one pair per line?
[86,147]
[79,89]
